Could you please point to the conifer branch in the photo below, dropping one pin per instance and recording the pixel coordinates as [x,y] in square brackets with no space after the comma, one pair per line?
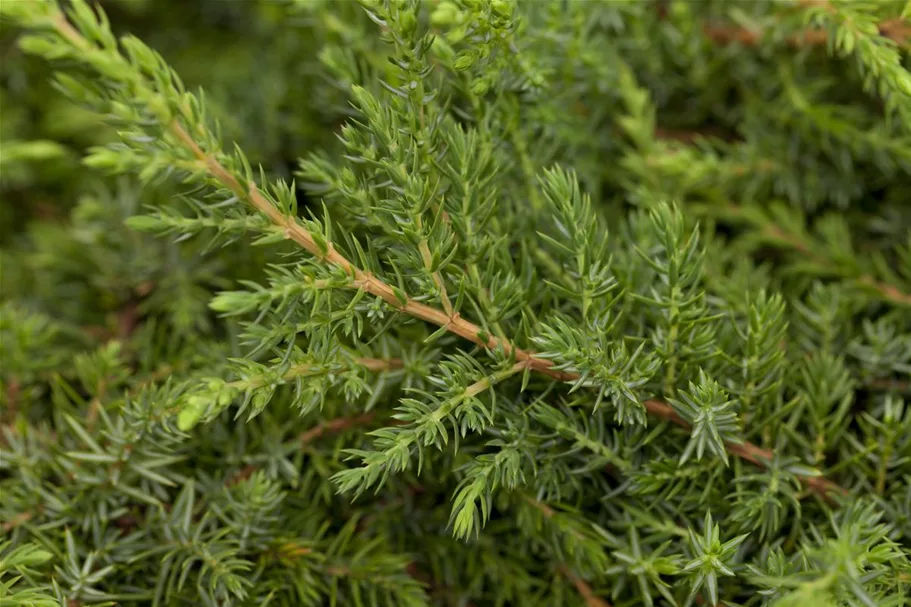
[897,30]
[582,587]
[779,235]
[455,323]
[747,451]
[362,280]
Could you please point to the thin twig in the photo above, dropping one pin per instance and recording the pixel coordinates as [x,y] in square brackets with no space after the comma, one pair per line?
[887,292]
[19,519]
[13,388]
[588,595]
[241,475]
[95,405]
[427,259]
[549,513]
[747,451]
[896,30]
[305,369]
[338,424]
[591,599]
[784,239]
[896,385]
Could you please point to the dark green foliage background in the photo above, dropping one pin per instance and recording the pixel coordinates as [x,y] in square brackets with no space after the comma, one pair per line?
[720,228]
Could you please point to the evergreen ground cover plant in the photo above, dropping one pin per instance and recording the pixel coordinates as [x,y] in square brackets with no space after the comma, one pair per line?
[457,302]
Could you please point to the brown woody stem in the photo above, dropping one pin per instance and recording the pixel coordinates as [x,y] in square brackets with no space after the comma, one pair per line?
[338,424]
[582,587]
[897,30]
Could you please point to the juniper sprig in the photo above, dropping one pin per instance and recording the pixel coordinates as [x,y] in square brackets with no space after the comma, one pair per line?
[458,303]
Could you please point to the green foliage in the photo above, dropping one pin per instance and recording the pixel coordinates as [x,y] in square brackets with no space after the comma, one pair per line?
[458,302]
[707,409]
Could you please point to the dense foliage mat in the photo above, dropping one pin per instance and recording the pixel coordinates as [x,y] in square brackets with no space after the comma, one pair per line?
[457,302]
